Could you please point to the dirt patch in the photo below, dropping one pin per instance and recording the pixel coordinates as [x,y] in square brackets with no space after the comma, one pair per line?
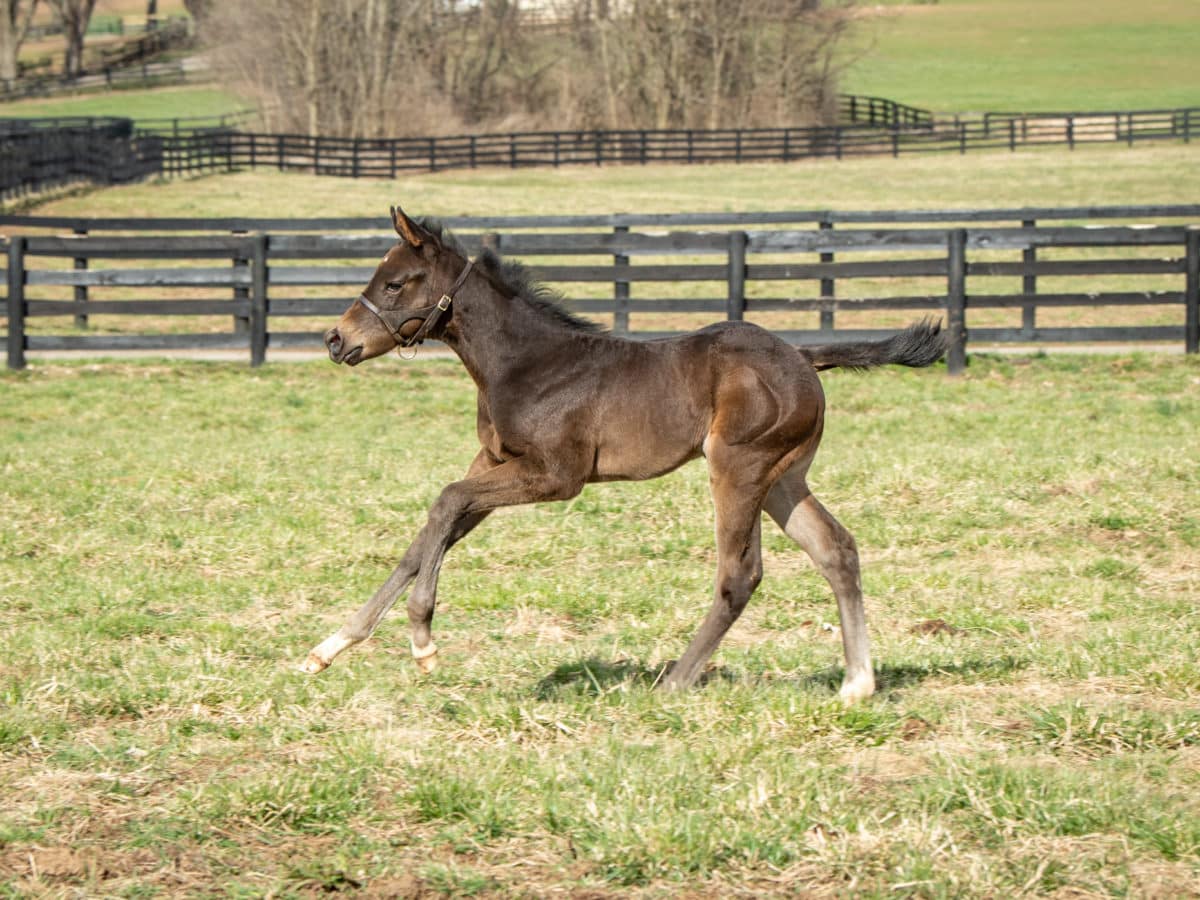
[931,627]
[38,865]
[545,628]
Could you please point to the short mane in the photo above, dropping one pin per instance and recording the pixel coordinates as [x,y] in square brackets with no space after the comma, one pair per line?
[517,278]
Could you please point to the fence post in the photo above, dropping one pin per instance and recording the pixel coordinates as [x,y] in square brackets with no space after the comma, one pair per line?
[620,289]
[1192,298]
[827,284]
[1029,286]
[241,323]
[956,297]
[735,301]
[258,303]
[81,291]
[16,303]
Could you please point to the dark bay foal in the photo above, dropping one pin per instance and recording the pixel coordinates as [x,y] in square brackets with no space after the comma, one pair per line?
[562,404]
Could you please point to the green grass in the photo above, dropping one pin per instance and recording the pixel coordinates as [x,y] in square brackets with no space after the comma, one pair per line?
[158,103]
[176,536]
[1030,55]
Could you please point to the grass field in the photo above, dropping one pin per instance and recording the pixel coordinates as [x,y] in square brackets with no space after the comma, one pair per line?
[157,103]
[1029,55]
[176,536]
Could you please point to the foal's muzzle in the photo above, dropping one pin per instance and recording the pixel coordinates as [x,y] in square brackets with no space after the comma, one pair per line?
[339,352]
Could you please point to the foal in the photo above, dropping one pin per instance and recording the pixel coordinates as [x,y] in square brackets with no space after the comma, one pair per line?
[561,404]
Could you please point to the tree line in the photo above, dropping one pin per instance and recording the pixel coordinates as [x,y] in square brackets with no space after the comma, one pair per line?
[16,18]
[375,68]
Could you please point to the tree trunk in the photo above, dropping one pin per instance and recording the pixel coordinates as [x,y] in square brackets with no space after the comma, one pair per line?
[15,17]
[75,16]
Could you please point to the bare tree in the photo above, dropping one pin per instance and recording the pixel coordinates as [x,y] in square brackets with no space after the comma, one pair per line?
[15,17]
[199,10]
[369,68]
[75,16]
[704,63]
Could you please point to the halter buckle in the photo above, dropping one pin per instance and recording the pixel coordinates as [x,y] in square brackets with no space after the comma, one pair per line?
[444,303]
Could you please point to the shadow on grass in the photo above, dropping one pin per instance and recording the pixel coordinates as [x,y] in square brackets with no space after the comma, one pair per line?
[897,677]
[598,676]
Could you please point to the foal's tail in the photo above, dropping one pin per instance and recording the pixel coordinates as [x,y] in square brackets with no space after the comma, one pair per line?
[920,344]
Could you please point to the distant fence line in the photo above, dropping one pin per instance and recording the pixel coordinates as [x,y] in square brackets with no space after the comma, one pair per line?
[109,66]
[37,154]
[389,157]
[34,161]
[270,271]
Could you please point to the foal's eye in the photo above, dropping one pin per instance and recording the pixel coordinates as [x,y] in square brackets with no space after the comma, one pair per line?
[395,286]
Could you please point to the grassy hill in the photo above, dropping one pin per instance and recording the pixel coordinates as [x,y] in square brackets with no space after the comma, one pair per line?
[1029,55]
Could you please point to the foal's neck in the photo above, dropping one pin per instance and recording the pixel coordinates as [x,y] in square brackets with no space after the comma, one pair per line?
[496,335]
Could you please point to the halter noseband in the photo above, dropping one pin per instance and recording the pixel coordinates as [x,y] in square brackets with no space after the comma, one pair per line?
[429,314]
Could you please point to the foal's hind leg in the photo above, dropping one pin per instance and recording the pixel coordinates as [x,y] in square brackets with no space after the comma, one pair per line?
[739,570]
[794,508]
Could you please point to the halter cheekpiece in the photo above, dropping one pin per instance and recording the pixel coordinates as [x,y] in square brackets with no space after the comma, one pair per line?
[429,315]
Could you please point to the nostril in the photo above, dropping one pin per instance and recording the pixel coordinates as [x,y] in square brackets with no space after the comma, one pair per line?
[333,341]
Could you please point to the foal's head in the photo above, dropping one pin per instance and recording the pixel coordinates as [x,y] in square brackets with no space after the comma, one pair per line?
[405,290]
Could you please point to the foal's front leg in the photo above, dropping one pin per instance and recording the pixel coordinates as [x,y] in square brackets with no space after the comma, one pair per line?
[363,623]
[460,507]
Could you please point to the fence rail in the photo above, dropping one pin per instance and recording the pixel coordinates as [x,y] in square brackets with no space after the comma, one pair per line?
[389,157]
[969,267]
[201,149]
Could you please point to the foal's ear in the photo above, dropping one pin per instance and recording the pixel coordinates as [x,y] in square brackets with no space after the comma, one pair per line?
[409,230]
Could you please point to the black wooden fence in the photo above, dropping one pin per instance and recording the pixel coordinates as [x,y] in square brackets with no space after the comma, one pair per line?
[878,127]
[36,154]
[808,270]
[388,157]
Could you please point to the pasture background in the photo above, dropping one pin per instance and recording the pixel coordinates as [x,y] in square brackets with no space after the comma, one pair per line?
[953,56]
[1092,175]
[176,536]
[956,56]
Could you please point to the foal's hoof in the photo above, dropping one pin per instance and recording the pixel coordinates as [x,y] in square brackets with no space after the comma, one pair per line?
[426,657]
[857,690]
[314,664]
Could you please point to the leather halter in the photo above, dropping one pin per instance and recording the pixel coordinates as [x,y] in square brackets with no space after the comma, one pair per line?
[429,314]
